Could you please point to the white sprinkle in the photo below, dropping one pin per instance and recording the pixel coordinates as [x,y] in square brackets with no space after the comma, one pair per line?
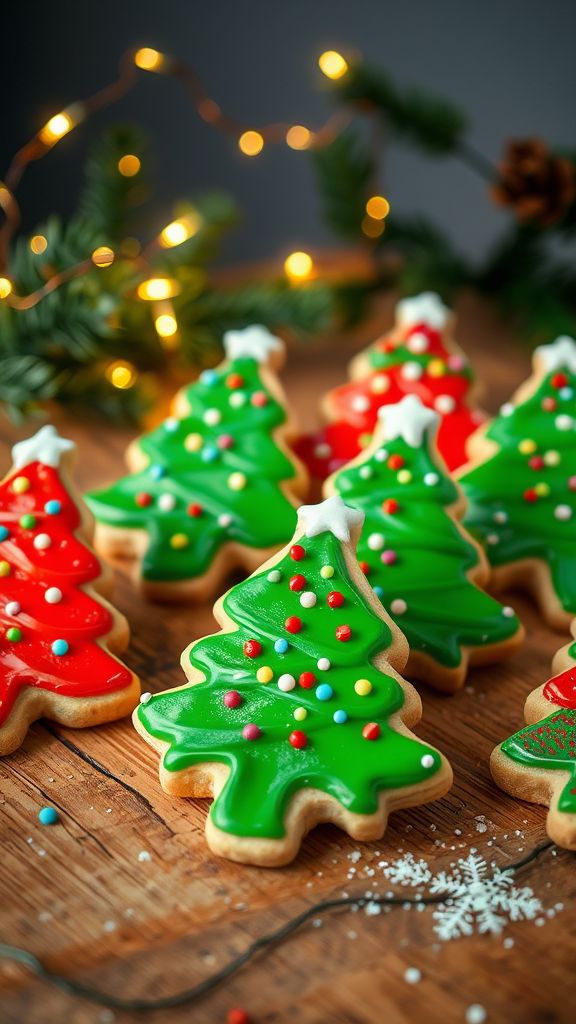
[212,417]
[286,682]
[308,599]
[417,343]
[372,909]
[508,612]
[492,538]
[144,856]
[237,399]
[564,422]
[323,664]
[145,697]
[412,975]
[53,595]
[507,409]
[323,450]
[381,455]
[508,943]
[398,606]
[376,541]
[166,502]
[427,761]
[445,404]
[42,541]
[500,516]
[431,479]
[411,371]
[110,926]
[365,472]
[225,519]
[563,512]
[13,608]
[360,403]
[171,424]
[274,576]
[476,1014]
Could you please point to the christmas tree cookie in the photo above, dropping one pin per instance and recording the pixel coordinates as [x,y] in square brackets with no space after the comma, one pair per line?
[521,486]
[538,763]
[295,712]
[58,636]
[214,487]
[419,357]
[421,563]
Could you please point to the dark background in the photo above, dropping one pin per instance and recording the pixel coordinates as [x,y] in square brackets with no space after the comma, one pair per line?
[510,64]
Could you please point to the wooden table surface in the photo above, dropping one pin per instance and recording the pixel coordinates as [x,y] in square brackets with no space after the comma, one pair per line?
[124,894]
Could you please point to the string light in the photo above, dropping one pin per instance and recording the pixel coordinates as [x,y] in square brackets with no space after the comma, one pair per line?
[251,143]
[5,287]
[372,227]
[180,230]
[298,266]
[103,256]
[148,59]
[377,207]
[129,165]
[38,244]
[60,124]
[332,64]
[298,137]
[166,325]
[156,288]
[121,374]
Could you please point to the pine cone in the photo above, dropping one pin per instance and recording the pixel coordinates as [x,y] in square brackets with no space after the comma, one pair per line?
[538,185]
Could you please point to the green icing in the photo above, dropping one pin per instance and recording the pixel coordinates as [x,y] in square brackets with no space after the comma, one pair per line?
[260,515]
[549,745]
[496,488]
[267,772]
[401,354]
[444,612]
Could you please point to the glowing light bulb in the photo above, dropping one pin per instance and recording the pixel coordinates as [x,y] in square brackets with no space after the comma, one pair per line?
[38,244]
[377,207]
[298,137]
[158,288]
[180,231]
[5,287]
[332,64]
[103,256]
[298,266]
[129,165]
[121,374]
[251,143]
[148,59]
[372,228]
[56,128]
[166,325]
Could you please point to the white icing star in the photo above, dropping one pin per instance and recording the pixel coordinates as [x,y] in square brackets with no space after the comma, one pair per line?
[426,308]
[408,419]
[255,342]
[559,355]
[46,446]
[330,516]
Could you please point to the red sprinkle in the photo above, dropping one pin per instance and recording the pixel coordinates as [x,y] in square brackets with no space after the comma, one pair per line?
[390,506]
[251,732]
[297,552]
[238,1016]
[365,567]
[259,399]
[549,404]
[335,599]
[298,739]
[225,441]
[252,648]
[293,624]
[559,380]
[297,582]
[536,462]
[371,731]
[343,633]
[530,494]
[143,499]
[194,509]
[234,380]
[395,462]
[307,680]
[572,483]
[232,699]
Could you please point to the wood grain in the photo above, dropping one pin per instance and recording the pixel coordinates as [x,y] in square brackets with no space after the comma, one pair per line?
[124,894]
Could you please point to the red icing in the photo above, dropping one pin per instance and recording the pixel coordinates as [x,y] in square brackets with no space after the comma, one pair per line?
[561,689]
[87,670]
[353,407]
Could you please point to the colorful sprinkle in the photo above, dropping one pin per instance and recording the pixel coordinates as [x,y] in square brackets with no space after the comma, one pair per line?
[343,633]
[398,606]
[251,732]
[13,608]
[286,682]
[194,509]
[324,692]
[42,541]
[297,582]
[234,380]
[396,462]
[264,674]
[156,472]
[552,458]
[297,552]
[564,422]
[252,648]
[431,479]
[142,499]
[166,502]
[4,568]
[179,541]
[209,378]
[293,624]
[232,699]
[404,476]
[48,816]
[193,442]
[340,717]
[527,446]
[363,687]
[335,599]
[300,714]
[324,664]
[376,541]
[13,634]
[327,572]
[371,731]
[281,646]
[53,595]
[237,481]
[53,507]
[4,533]
[259,399]
[225,441]
[171,424]
[28,521]
[307,680]
[209,453]
[390,506]
[237,399]
[212,417]
[20,485]
[389,557]
[60,647]
[298,739]
[308,599]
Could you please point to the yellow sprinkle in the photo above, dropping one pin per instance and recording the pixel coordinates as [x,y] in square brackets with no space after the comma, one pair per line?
[4,568]
[20,485]
[363,687]
[543,490]
[327,572]
[264,674]
[300,714]
[379,384]
[237,481]
[193,442]
[436,368]
[404,476]
[527,446]
[178,541]
[364,440]
[551,458]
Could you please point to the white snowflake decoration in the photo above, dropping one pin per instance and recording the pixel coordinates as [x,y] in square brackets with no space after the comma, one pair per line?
[559,355]
[330,516]
[478,898]
[426,308]
[255,342]
[408,419]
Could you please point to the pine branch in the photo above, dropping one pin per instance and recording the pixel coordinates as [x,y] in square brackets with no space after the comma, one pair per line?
[344,172]
[107,198]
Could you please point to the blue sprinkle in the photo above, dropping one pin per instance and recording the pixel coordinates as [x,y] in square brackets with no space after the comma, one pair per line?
[157,471]
[379,591]
[324,691]
[340,717]
[281,646]
[209,377]
[53,507]
[209,454]
[4,533]
[566,393]
[60,647]
[48,816]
